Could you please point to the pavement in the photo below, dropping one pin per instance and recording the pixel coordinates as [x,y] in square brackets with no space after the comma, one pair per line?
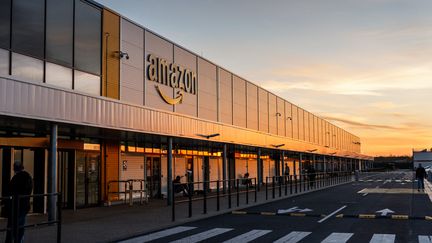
[380,207]
[115,223]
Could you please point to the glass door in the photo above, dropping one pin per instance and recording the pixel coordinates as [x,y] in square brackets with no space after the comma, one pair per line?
[87,178]
[154,176]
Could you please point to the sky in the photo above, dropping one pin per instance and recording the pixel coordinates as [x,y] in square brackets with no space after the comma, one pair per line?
[364,65]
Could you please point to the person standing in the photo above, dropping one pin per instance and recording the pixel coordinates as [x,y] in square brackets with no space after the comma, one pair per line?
[21,184]
[420,175]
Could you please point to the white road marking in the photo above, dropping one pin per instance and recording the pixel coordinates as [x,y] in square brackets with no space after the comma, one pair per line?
[398,180]
[335,212]
[159,234]
[382,238]
[293,237]
[364,195]
[337,238]
[379,180]
[249,236]
[425,238]
[203,235]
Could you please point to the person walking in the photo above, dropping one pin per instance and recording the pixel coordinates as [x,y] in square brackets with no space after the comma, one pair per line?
[20,185]
[420,175]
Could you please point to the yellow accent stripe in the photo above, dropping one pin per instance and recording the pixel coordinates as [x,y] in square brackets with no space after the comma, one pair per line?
[399,216]
[298,214]
[428,217]
[239,212]
[366,216]
[268,213]
[339,216]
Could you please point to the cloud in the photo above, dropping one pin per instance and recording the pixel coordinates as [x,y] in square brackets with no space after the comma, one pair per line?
[360,124]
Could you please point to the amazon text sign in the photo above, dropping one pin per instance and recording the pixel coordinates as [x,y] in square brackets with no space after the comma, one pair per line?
[161,71]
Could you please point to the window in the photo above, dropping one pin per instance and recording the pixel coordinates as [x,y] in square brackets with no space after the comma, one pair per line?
[87,83]
[58,75]
[5,7]
[27,68]
[59,31]
[4,62]
[87,38]
[28,27]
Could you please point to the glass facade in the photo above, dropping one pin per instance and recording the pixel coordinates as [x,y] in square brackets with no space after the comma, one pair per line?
[28,19]
[58,75]
[87,38]
[87,83]
[4,62]
[59,31]
[5,6]
[27,68]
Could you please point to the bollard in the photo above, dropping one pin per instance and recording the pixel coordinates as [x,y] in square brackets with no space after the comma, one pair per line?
[256,189]
[247,192]
[131,194]
[290,182]
[229,193]
[59,216]
[266,187]
[217,196]
[238,192]
[190,198]
[286,185]
[273,187]
[173,204]
[357,175]
[280,186]
[205,198]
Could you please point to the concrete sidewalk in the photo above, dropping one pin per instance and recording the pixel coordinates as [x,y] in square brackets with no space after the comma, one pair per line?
[107,224]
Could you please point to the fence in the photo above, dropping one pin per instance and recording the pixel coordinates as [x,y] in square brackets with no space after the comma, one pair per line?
[131,188]
[14,227]
[237,188]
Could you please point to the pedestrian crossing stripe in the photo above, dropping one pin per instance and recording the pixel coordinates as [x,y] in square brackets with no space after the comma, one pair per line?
[387,181]
[244,237]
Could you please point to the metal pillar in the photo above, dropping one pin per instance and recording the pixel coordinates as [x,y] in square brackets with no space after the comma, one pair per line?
[224,166]
[52,173]
[259,168]
[169,177]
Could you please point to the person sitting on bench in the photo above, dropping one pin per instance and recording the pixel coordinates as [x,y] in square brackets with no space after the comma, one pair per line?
[180,187]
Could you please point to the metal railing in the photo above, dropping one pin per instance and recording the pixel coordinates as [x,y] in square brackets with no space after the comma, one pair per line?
[13,227]
[221,189]
[234,189]
[130,188]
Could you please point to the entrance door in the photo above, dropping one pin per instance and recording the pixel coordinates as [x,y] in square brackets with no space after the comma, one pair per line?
[66,176]
[153,165]
[87,178]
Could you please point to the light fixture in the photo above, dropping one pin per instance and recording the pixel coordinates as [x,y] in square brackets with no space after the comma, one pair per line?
[311,150]
[123,54]
[277,145]
[289,118]
[209,136]
[278,114]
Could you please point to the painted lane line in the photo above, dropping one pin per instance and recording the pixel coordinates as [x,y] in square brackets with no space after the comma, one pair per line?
[383,238]
[364,195]
[249,236]
[330,215]
[425,238]
[159,234]
[337,238]
[203,235]
[293,237]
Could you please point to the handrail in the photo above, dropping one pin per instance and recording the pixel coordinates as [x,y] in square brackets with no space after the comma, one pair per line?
[129,190]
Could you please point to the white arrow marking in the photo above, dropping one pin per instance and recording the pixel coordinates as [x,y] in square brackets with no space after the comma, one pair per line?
[385,211]
[294,209]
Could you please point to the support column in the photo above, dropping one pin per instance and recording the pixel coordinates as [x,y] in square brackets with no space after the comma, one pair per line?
[300,164]
[224,166]
[259,168]
[169,177]
[52,172]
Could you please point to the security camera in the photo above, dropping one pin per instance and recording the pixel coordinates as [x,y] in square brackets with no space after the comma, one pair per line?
[123,54]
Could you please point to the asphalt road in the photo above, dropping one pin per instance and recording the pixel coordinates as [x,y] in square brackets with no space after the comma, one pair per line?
[382,207]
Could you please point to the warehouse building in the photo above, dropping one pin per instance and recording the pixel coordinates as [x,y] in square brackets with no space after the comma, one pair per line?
[89,98]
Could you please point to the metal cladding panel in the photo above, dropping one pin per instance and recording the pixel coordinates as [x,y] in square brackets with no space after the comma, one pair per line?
[263,110]
[132,68]
[189,61]
[301,124]
[239,102]
[272,114]
[288,120]
[306,126]
[295,122]
[225,97]
[252,106]
[281,117]
[162,49]
[207,90]
[111,62]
